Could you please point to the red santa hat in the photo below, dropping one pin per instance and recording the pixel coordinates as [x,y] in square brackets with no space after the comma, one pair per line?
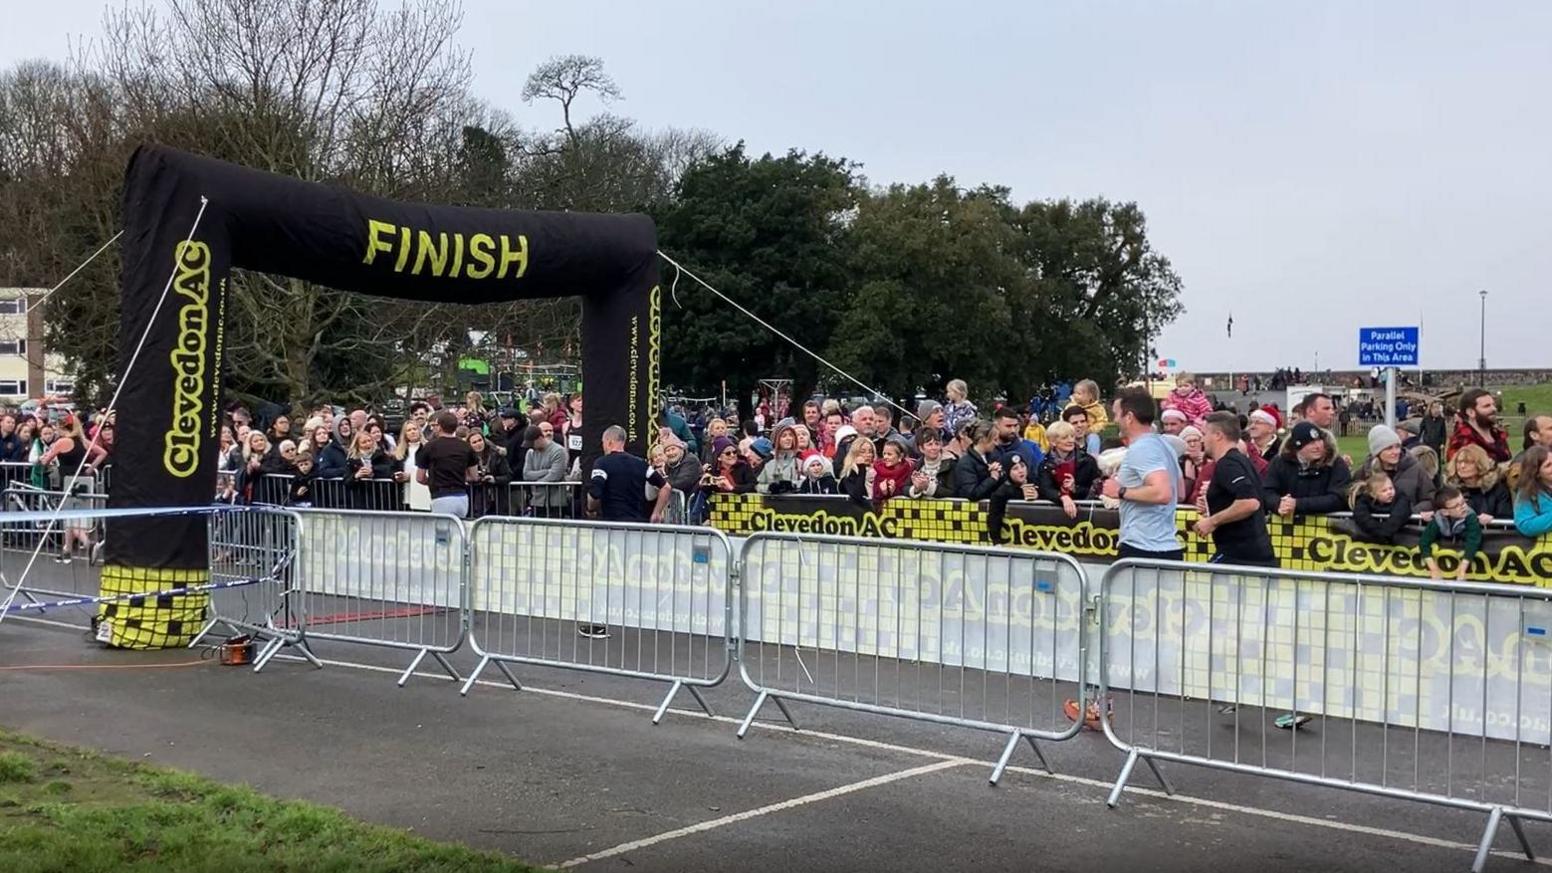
[1265,417]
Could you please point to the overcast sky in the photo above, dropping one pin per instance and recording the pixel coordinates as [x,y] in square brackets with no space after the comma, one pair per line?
[1313,167]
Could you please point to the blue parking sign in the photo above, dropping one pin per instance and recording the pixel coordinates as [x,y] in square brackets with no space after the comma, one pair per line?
[1387,347]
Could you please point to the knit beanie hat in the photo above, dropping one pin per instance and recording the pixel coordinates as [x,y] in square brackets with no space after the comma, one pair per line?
[1382,438]
[817,465]
[720,444]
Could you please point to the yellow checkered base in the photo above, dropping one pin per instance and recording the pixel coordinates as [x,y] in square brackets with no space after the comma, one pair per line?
[153,621]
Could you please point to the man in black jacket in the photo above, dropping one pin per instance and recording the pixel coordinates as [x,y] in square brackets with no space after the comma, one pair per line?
[510,436]
[1306,477]
[1436,428]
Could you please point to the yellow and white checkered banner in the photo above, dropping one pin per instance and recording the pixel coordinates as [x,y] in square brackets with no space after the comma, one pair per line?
[1317,543]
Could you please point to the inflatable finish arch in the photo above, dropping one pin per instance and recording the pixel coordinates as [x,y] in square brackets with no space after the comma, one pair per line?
[169,432]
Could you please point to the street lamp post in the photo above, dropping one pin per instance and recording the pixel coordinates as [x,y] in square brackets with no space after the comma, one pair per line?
[1482,361]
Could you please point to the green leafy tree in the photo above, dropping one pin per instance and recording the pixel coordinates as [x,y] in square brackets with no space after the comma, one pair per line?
[963,284]
[935,265]
[1098,294]
[773,234]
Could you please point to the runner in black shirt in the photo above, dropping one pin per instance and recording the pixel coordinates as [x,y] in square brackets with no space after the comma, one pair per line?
[443,465]
[1235,518]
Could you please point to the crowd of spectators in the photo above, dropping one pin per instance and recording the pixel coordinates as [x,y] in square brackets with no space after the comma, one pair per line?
[1050,450]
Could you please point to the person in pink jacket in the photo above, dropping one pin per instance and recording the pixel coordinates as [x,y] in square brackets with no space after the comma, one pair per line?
[1189,400]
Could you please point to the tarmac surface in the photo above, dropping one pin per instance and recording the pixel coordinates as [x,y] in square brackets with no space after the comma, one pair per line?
[571,773]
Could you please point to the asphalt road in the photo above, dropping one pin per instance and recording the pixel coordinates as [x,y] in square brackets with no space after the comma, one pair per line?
[572,773]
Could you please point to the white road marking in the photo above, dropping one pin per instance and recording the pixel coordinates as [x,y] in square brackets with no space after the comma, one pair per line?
[795,802]
[943,758]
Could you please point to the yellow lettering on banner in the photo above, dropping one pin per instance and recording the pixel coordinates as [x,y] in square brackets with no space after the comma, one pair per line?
[191,281]
[510,255]
[630,386]
[374,241]
[404,250]
[481,252]
[444,254]
[436,254]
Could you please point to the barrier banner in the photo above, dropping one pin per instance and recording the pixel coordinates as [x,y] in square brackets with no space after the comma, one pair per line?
[651,579]
[1317,543]
[1415,657]
[1019,616]
[408,558]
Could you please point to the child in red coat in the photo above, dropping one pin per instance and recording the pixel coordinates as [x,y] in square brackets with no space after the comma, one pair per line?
[891,473]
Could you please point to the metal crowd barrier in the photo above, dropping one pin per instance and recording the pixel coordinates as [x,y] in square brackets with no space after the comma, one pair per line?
[257,543]
[544,499]
[34,548]
[678,509]
[976,637]
[15,473]
[272,490]
[541,499]
[368,495]
[1432,692]
[395,580]
[249,585]
[489,498]
[645,601]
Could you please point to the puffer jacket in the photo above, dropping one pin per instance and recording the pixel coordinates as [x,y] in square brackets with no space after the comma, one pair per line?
[1085,474]
[972,480]
[1411,481]
[1194,405]
[1490,496]
[1381,522]
[1317,489]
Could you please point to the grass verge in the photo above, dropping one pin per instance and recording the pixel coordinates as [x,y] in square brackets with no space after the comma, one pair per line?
[1537,400]
[65,810]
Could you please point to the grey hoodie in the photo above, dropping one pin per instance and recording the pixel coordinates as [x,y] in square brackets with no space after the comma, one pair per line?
[548,465]
[782,467]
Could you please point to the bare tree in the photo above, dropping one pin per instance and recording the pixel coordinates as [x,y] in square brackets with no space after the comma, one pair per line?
[566,77]
[339,91]
[345,91]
